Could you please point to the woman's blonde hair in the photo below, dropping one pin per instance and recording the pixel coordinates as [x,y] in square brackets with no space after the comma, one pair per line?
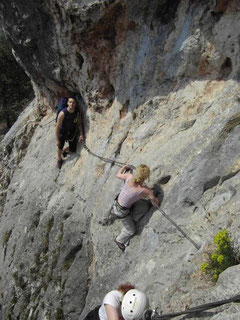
[142,173]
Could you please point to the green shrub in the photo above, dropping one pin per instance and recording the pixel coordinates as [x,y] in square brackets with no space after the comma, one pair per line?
[222,258]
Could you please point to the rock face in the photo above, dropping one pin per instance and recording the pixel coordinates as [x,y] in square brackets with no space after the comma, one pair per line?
[158,82]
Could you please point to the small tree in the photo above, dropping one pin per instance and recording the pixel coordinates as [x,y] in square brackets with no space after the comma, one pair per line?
[222,258]
[15,86]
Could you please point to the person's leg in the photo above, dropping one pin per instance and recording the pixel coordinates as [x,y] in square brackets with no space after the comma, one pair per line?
[59,152]
[73,144]
[128,230]
[119,213]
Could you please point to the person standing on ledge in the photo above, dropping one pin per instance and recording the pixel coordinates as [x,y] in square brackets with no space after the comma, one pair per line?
[132,191]
[69,126]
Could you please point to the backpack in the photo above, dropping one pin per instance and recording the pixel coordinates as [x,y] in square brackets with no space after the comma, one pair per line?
[62,103]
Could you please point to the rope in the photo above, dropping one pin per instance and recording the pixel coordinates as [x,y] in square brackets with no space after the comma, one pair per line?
[117,163]
[200,308]
[179,229]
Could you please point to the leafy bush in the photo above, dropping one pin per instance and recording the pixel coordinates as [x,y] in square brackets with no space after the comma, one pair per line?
[222,258]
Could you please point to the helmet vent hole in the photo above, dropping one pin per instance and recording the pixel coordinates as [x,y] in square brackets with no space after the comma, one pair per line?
[130,301]
[134,294]
[131,311]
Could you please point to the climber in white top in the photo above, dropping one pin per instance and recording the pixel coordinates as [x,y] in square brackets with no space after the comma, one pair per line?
[124,303]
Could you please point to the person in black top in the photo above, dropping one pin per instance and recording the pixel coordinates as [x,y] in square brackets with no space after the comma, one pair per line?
[69,125]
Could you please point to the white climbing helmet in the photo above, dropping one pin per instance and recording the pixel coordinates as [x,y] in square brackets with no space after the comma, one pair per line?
[134,304]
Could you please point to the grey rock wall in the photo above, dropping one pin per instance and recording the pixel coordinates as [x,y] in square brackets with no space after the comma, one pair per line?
[158,82]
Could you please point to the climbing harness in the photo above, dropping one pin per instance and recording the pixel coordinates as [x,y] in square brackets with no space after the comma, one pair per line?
[179,229]
[153,315]
[120,212]
[117,163]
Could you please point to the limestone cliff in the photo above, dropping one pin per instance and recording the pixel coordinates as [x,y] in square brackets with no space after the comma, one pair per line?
[158,82]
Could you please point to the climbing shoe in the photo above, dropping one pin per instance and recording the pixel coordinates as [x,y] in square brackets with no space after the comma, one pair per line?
[120,245]
[59,164]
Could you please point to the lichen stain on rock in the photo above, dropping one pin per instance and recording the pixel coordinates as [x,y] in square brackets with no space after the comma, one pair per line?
[222,5]
[204,64]
[99,42]
[98,45]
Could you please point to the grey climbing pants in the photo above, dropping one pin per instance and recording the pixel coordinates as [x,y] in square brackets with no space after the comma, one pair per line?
[138,210]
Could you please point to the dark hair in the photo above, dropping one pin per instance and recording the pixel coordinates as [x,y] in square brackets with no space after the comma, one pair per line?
[125,287]
[72,97]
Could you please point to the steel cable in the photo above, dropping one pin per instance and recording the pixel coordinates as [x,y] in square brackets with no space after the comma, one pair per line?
[117,163]
[179,229]
[197,309]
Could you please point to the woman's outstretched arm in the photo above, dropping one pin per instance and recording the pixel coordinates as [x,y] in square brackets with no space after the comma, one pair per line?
[149,194]
[123,176]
